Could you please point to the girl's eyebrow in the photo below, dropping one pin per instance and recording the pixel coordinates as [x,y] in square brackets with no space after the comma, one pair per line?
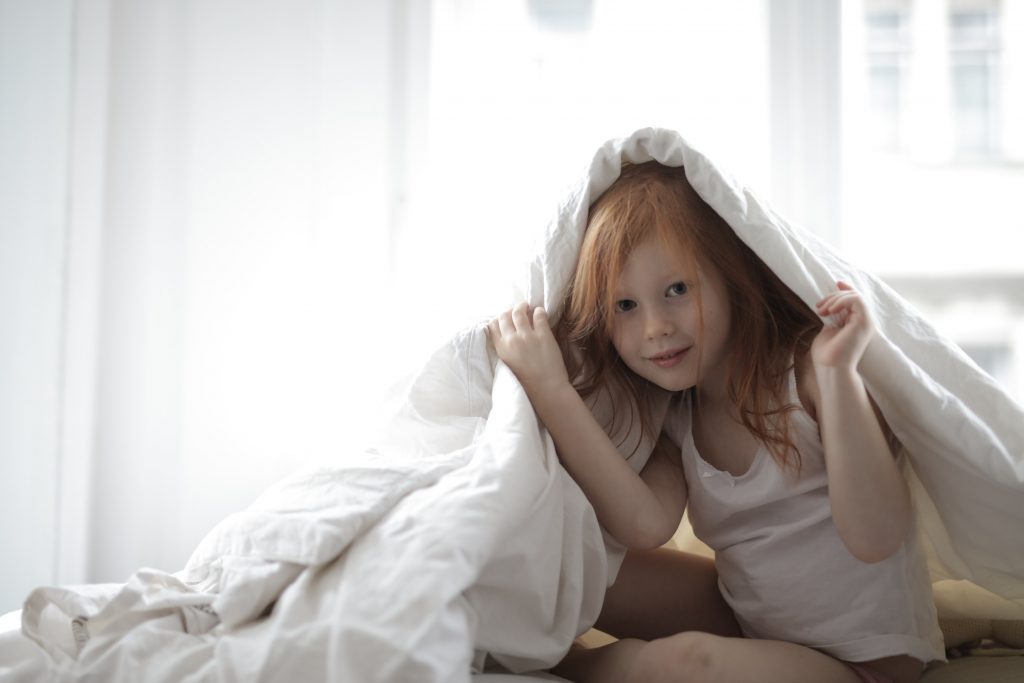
[679,275]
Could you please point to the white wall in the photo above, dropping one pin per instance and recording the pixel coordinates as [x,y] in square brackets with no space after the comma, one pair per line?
[35,78]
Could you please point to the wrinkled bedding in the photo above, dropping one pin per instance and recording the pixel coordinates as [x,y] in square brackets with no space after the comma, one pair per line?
[458,543]
[456,536]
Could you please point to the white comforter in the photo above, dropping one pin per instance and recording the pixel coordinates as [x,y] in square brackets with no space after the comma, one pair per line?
[459,535]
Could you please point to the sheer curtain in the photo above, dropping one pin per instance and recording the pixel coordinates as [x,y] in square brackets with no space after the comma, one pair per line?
[203,302]
[245,325]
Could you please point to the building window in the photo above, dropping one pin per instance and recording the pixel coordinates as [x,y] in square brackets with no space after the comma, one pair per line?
[929,86]
[974,63]
[888,48]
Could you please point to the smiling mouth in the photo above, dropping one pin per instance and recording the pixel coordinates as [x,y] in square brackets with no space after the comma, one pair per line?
[668,358]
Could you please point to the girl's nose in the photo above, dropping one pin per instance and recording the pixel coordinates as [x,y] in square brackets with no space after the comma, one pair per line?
[658,326]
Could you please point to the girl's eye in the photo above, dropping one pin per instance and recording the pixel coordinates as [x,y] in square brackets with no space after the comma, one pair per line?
[624,305]
[678,289]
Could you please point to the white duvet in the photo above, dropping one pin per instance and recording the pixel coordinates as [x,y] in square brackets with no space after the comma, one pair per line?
[458,542]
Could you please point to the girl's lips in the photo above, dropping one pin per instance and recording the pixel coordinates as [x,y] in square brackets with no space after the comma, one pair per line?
[669,358]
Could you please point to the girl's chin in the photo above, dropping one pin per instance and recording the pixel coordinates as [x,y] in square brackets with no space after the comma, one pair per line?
[675,388]
[670,385]
[660,381]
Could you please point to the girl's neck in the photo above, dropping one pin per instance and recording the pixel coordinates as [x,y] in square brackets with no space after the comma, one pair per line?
[712,390]
[716,402]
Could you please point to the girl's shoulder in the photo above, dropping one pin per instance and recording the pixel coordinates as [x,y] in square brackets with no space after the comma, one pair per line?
[810,397]
[806,383]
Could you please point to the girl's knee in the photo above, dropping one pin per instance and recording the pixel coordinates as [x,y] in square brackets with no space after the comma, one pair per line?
[690,656]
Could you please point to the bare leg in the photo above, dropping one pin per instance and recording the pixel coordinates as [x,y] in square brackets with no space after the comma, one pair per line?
[606,664]
[661,592]
[695,657]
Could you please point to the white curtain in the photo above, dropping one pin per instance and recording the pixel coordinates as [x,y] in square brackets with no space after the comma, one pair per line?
[213,305]
[246,323]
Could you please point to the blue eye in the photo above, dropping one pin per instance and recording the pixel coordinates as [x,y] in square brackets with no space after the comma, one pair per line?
[678,289]
[623,305]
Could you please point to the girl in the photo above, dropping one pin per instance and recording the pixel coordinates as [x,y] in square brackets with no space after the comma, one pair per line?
[788,471]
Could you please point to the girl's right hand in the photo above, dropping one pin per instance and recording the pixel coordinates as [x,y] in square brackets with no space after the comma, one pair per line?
[525,342]
[841,344]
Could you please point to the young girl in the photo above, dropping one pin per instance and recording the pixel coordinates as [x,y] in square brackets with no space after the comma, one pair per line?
[771,441]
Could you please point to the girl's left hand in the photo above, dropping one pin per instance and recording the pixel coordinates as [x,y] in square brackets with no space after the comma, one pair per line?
[841,344]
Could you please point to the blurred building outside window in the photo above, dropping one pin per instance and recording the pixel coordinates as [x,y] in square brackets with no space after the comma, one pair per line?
[887,48]
[974,75]
[932,165]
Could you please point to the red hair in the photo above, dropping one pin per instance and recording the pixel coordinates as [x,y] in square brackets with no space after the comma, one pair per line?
[769,323]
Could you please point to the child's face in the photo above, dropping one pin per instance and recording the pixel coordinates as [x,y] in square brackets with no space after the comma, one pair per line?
[656,325]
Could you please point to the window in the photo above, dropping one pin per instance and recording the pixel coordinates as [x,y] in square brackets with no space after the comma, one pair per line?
[974,64]
[887,48]
[928,193]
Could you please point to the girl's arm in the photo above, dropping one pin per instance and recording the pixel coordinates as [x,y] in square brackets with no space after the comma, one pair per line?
[638,511]
[870,499]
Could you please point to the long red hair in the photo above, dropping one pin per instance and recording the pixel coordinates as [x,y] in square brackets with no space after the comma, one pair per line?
[769,323]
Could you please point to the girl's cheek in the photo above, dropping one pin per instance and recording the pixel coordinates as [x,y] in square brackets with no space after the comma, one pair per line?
[616,337]
[621,337]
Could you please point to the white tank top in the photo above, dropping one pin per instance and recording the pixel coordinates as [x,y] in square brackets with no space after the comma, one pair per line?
[784,569]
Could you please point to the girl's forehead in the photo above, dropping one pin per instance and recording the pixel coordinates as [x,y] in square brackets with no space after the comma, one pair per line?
[655,262]
[660,253]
